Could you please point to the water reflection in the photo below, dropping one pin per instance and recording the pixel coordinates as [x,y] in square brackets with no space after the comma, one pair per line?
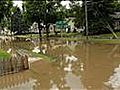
[74,82]
[114,80]
[19,81]
[79,66]
[23,86]
[115,52]
[54,87]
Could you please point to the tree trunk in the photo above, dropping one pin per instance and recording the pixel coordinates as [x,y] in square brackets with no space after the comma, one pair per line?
[55,31]
[47,30]
[110,28]
[39,28]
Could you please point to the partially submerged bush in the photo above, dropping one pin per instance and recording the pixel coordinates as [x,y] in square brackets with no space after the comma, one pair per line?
[4,54]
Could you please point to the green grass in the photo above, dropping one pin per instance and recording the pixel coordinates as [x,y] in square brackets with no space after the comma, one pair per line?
[64,34]
[94,40]
[50,35]
[105,41]
[71,39]
[104,36]
[44,56]
[4,54]
[28,36]
[118,34]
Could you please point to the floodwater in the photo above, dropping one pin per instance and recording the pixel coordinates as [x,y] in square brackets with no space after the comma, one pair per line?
[79,65]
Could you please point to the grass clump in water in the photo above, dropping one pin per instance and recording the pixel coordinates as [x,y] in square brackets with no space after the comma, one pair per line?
[44,56]
[4,54]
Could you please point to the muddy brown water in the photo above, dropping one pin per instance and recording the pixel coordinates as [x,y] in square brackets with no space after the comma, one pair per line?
[79,66]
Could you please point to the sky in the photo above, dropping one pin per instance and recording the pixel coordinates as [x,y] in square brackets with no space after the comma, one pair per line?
[19,4]
[66,3]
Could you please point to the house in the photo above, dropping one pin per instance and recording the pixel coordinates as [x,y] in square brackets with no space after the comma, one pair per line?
[34,28]
[117,20]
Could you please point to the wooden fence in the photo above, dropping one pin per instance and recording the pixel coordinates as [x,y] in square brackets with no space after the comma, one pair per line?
[15,64]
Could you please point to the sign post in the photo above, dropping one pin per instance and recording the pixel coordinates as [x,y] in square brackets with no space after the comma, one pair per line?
[61,25]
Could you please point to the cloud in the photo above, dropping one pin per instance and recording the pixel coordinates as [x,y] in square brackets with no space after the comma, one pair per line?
[66,3]
[18,3]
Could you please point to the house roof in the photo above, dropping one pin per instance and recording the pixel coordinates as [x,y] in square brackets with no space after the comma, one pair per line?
[116,15]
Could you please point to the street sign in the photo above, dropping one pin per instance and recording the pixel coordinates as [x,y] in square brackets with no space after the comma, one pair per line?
[61,24]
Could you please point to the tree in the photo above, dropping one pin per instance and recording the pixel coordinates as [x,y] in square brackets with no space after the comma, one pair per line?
[5,13]
[100,18]
[42,11]
[18,22]
[77,12]
[99,13]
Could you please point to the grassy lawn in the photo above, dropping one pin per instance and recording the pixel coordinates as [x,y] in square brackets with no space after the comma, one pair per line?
[105,41]
[28,36]
[50,35]
[103,38]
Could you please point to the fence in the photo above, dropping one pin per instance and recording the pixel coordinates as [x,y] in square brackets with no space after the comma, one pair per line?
[14,64]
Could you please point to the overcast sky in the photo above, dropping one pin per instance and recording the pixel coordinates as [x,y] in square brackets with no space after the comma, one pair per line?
[18,3]
[66,3]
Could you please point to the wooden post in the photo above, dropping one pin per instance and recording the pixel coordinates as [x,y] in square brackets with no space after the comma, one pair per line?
[86,19]
[22,62]
[3,66]
[0,67]
[26,65]
[11,65]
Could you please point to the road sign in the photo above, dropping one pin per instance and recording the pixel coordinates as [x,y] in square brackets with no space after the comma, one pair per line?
[61,24]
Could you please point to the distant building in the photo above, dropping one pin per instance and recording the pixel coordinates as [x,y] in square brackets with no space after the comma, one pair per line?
[71,23]
[51,28]
[34,28]
[117,20]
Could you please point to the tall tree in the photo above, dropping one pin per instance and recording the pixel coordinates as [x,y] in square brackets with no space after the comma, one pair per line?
[19,25]
[42,11]
[5,13]
[99,16]
[77,12]
[16,21]
[99,13]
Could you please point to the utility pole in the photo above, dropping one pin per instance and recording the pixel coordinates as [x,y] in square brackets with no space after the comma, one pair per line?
[86,19]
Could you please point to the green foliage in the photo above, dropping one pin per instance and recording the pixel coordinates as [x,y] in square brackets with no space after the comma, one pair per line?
[116,5]
[43,11]
[78,13]
[100,15]
[5,13]
[47,11]
[2,9]
[18,22]
[4,54]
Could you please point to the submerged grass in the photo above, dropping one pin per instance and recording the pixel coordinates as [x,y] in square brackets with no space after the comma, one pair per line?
[105,41]
[50,35]
[44,56]
[4,54]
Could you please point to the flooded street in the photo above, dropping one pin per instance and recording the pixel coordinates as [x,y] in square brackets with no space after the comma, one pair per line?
[78,65]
